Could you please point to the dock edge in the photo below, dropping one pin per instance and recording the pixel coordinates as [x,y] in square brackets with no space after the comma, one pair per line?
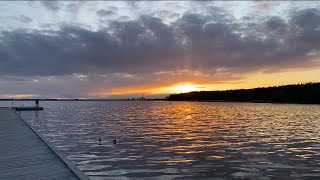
[64,159]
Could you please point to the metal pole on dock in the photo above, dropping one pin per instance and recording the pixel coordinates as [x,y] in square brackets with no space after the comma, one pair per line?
[12,103]
[37,102]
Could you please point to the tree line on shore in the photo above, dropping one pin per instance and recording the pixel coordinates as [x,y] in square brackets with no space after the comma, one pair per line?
[296,93]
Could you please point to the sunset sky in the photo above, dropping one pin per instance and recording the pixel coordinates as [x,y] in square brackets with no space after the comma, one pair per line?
[91,49]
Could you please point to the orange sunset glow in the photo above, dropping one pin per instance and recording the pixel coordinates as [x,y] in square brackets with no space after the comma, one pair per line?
[160,89]
[16,95]
[185,88]
[250,80]
[176,89]
[115,50]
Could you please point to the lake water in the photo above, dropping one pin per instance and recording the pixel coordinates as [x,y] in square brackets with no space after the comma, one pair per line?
[185,140]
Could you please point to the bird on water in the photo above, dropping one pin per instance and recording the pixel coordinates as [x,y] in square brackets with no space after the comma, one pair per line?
[114,141]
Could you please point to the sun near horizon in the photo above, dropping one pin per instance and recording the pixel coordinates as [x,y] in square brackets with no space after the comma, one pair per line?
[118,49]
[252,80]
[185,88]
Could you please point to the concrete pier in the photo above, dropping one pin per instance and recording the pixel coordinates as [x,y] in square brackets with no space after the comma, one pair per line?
[23,155]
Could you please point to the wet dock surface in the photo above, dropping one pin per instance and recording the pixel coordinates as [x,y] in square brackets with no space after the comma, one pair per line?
[23,155]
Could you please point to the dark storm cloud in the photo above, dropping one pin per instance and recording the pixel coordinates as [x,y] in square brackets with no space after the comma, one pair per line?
[305,25]
[201,42]
[273,24]
[131,47]
[274,42]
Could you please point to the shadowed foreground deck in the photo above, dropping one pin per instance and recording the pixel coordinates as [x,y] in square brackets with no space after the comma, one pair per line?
[23,155]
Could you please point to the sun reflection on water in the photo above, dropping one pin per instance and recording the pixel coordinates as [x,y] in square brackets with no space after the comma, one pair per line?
[185,139]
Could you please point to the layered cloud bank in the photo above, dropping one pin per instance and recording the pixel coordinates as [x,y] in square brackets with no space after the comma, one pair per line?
[126,45]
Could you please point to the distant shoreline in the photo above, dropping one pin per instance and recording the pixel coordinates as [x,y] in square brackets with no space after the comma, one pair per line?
[226,101]
[164,100]
[308,93]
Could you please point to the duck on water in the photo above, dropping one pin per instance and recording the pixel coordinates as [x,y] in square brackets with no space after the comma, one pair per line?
[114,141]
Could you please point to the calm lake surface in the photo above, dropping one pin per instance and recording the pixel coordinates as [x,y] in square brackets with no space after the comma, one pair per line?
[185,140]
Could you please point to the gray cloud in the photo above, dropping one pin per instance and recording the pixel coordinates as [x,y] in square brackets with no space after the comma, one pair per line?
[13,79]
[199,42]
[103,13]
[75,6]
[51,5]
[24,19]
[263,5]
[133,4]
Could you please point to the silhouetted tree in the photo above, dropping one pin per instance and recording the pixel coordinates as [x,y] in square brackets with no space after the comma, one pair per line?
[298,93]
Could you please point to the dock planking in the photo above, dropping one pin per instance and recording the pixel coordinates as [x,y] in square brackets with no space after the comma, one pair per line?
[23,155]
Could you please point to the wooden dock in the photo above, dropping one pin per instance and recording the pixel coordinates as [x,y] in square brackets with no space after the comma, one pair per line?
[24,155]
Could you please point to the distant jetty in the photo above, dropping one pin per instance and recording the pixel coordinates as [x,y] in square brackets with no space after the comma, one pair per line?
[308,93]
[28,108]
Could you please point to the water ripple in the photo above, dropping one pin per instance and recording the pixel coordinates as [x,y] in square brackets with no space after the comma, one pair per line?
[185,140]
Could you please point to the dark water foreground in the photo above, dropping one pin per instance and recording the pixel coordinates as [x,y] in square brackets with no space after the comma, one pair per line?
[185,140]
